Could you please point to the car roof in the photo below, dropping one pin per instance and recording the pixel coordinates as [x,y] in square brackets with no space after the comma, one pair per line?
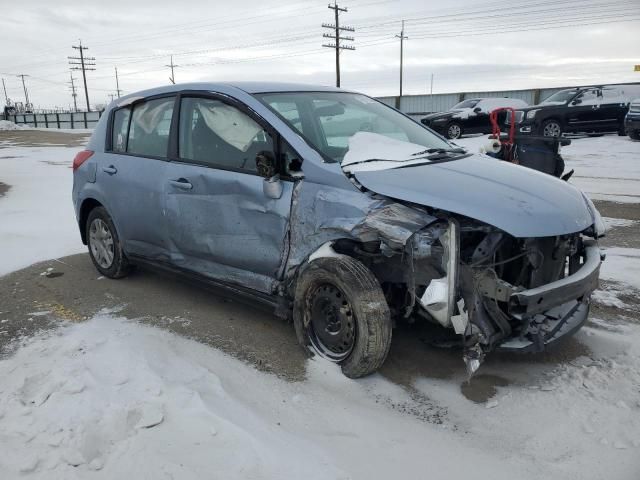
[249,87]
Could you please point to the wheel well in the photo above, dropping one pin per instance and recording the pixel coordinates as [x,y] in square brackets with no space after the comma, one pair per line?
[553,119]
[88,205]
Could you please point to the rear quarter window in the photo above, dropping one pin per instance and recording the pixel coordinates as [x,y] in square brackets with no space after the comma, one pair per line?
[119,130]
[150,127]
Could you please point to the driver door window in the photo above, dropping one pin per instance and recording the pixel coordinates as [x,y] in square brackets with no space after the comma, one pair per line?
[590,97]
[216,134]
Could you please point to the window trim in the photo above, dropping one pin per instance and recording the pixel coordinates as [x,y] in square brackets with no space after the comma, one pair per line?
[131,106]
[244,108]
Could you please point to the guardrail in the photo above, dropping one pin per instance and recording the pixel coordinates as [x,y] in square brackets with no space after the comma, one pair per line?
[57,120]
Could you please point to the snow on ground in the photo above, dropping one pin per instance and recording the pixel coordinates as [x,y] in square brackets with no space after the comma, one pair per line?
[7,125]
[37,218]
[622,265]
[606,168]
[131,401]
[580,418]
[113,398]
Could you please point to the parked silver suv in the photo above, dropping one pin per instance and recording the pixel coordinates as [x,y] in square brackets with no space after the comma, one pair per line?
[342,213]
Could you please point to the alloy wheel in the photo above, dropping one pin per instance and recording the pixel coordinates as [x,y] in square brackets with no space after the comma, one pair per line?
[454,131]
[552,129]
[101,243]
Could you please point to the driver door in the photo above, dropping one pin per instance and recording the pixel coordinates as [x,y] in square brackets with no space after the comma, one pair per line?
[220,223]
[584,111]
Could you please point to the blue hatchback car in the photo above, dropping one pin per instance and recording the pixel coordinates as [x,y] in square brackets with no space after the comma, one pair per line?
[342,213]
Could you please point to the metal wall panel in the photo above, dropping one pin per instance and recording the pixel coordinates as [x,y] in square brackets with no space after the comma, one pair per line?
[526,95]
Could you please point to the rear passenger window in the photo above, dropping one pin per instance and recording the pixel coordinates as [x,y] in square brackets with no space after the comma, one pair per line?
[220,135]
[150,126]
[119,130]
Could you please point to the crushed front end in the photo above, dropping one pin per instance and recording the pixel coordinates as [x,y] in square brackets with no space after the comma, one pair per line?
[501,292]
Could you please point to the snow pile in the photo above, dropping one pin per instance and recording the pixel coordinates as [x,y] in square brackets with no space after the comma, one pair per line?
[372,151]
[582,416]
[7,125]
[38,222]
[116,399]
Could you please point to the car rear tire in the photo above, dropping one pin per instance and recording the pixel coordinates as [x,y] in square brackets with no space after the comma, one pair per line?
[104,245]
[551,128]
[341,314]
[453,131]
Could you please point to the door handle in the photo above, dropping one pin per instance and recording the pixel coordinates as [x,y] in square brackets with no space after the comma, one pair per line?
[181,183]
[111,170]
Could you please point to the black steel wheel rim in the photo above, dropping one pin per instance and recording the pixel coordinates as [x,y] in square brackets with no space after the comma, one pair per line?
[332,325]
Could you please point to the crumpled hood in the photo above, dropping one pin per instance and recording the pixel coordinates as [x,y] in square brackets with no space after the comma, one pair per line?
[521,201]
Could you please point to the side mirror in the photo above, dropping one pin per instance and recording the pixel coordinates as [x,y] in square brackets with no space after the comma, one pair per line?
[577,101]
[477,110]
[266,167]
[266,164]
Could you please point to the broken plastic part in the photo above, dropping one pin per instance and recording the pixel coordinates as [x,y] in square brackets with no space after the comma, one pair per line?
[473,357]
[461,320]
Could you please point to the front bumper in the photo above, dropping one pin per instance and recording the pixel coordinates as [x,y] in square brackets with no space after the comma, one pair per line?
[632,122]
[555,310]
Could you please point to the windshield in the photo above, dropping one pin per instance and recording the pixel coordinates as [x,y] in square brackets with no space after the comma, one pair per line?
[328,120]
[562,96]
[466,104]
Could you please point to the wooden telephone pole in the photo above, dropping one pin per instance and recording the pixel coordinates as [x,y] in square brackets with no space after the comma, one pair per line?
[337,37]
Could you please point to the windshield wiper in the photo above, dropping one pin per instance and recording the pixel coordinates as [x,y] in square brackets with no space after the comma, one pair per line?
[440,150]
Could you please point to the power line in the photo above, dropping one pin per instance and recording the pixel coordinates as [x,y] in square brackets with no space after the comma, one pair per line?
[337,37]
[83,63]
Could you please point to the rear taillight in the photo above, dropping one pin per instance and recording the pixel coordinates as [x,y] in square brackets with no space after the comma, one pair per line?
[80,158]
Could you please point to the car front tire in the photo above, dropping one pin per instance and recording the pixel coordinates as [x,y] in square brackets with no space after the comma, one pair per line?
[341,314]
[104,245]
[551,128]
[634,134]
[454,131]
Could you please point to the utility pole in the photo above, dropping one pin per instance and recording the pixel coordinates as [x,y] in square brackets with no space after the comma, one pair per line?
[24,87]
[73,92]
[83,63]
[431,93]
[172,78]
[6,98]
[337,37]
[118,91]
[402,38]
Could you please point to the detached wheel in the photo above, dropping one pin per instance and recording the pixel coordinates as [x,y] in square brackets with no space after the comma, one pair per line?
[340,313]
[454,131]
[551,128]
[104,245]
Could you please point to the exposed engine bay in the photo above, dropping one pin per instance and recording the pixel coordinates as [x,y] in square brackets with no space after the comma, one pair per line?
[493,290]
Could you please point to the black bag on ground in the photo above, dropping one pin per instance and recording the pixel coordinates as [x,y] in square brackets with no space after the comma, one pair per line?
[540,153]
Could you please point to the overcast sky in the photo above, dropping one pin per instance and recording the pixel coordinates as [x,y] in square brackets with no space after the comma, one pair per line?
[467,45]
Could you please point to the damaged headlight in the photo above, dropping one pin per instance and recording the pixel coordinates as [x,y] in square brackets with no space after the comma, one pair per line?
[532,113]
[439,299]
[599,228]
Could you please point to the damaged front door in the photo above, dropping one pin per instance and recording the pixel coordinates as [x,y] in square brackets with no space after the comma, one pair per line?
[220,223]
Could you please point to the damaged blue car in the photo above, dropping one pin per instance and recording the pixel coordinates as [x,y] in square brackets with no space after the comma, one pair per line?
[340,212]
